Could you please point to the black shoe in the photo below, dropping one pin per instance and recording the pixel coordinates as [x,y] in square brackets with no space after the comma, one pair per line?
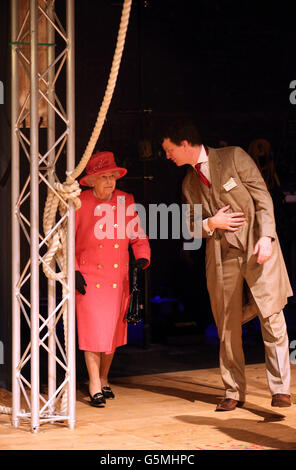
[97,399]
[107,392]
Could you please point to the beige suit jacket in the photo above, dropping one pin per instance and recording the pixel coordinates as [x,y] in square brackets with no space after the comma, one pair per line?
[268,284]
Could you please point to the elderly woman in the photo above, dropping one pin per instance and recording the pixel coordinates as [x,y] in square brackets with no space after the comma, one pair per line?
[104,233]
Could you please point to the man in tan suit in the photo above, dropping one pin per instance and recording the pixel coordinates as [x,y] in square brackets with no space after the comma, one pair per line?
[246,273]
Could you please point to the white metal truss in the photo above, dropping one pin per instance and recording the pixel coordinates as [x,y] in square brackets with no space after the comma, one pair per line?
[29,404]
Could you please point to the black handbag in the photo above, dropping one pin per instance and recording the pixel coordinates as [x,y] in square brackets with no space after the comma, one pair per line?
[135,311]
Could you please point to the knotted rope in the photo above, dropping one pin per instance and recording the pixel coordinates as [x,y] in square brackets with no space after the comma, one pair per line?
[71,190]
[108,93]
[59,196]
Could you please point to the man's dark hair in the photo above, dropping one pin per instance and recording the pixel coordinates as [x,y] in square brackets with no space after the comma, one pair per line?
[183,130]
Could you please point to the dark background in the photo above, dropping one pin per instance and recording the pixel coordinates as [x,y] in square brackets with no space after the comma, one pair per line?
[225,64]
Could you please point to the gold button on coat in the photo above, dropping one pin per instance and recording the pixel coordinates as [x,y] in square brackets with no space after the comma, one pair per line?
[98,286]
[99,266]
[116,245]
[114,286]
[115,265]
[101,245]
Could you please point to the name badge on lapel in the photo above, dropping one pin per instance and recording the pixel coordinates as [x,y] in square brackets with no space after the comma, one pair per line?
[230,184]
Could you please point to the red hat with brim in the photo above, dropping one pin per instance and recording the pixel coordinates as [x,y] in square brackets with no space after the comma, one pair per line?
[100,163]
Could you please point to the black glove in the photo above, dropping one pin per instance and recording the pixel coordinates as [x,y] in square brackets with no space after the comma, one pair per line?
[80,282]
[141,263]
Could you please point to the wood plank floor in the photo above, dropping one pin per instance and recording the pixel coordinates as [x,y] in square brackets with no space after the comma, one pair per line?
[166,411]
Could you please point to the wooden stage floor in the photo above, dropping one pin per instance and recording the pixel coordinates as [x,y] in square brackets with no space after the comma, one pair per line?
[166,411]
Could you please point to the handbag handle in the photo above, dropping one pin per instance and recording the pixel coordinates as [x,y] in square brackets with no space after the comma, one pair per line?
[135,277]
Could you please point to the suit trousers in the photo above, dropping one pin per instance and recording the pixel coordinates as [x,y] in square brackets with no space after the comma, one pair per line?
[273,328]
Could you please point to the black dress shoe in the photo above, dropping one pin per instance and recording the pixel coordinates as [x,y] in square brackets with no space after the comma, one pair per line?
[97,399]
[107,392]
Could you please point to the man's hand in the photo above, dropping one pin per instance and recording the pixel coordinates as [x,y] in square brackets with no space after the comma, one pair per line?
[231,222]
[263,249]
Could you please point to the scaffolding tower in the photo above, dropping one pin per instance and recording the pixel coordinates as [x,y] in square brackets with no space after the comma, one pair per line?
[58,404]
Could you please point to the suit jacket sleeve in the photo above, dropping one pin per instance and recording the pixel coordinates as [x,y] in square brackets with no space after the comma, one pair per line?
[254,183]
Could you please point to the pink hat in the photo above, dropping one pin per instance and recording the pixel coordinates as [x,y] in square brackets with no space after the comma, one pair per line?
[100,163]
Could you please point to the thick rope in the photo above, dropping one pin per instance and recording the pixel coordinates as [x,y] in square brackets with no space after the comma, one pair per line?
[90,148]
[70,190]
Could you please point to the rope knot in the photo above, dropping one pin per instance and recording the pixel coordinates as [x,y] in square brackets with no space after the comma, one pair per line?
[69,191]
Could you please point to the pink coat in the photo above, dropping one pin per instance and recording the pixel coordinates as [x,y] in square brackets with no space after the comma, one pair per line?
[104,263]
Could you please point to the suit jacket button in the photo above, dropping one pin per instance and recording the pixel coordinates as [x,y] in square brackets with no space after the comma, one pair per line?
[101,245]
[116,245]
[99,266]
[98,286]
[114,286]
[115,265]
